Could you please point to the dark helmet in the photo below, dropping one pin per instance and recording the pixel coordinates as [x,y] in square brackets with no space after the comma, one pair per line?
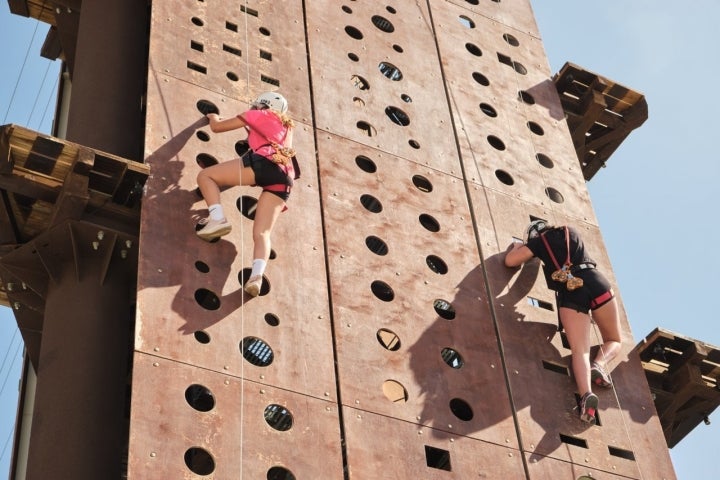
[535,228]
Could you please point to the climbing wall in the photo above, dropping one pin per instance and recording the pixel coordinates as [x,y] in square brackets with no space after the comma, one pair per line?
[389,340]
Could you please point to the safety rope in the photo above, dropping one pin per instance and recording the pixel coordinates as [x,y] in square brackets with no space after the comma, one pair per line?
[458,116]
[246,53]
[598,337]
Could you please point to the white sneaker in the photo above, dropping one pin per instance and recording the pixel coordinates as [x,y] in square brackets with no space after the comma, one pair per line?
[253,285]
[213,229]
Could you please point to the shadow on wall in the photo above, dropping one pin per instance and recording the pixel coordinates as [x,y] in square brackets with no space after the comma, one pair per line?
[167,194]
[525,343]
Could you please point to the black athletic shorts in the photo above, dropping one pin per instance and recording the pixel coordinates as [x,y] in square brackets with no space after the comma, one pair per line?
[268,173]
[595,292]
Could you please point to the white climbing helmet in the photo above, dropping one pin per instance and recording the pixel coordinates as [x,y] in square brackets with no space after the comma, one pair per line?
[271,100]
[535,228]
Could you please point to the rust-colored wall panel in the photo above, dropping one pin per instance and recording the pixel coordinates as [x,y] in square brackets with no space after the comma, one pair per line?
[364,365]
[169,278]
[177,407]
[218,46]
[386,448]
[539,365]
[425,207]
[403,38]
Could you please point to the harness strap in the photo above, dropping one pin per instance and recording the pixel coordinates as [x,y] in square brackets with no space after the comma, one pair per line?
[601,299]
[552,255]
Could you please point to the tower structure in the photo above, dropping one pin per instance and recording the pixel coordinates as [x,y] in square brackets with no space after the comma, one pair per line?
[389,341]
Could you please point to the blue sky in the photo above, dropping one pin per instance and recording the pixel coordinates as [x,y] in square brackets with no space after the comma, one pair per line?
[654,201]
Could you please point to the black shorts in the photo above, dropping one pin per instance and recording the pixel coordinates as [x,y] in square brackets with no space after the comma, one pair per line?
[268,174]
[595,292]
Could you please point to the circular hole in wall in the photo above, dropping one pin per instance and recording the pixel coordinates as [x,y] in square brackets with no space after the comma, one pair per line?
[504,177]
[205,160]
[383,24]
[535,128]
[278,417]
[371,203]
[544,160]
[474,49]
[200,398]
[232,76]
[436,264]
[394,391]
[422,183]
[365,164]
[444,309]
[207,299]
[280,473]
[397,116]
[206,106]
[244,276]
[202,136]
[241,147]
[429,222]
[452,357]
[554,195]
[382,290]
[199,461]
[264,31]
[197,21]
[366,129]
[481,79]
[388,339]
[376,245]
[495,142]
[414,144]
[202,267]
[272,319]
[354,32]
[247,206]
[390,71]
[201,337]
[398,48]
[461,409]
[466,21]
[353,57]
[520,68]
[525,97]
[359,82]
[488,110]
[511,40]
[256,351]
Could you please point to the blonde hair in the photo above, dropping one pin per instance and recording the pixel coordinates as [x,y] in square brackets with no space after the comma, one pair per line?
[285,119]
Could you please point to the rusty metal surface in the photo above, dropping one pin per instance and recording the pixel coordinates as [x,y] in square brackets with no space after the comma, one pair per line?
[536,357]
[169,277]
[385,448]
[341,104]
[220,47]
[364,365]
[228,421]
[357,174]
[515,169]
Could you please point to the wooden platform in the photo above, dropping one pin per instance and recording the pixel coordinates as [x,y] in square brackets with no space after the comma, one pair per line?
[46,180]
[600,114]
[683,377]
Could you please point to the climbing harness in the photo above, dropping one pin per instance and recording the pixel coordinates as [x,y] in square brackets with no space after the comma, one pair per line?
[563,274]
